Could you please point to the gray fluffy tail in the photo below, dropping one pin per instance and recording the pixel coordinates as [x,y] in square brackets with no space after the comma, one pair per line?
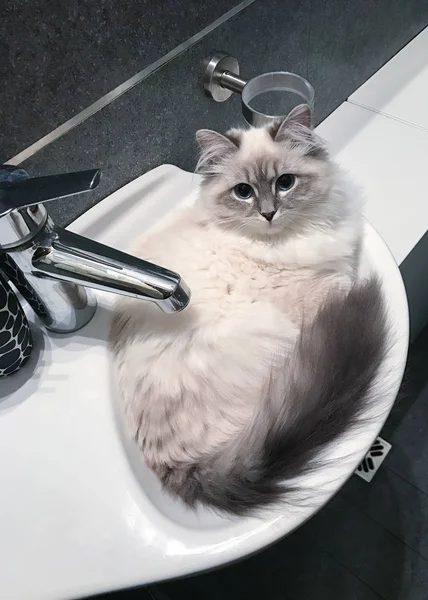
[327,385]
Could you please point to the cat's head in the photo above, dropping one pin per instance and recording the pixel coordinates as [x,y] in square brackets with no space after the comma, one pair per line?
[267,181]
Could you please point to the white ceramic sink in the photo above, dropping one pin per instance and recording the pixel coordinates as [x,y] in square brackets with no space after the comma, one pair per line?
[79,512]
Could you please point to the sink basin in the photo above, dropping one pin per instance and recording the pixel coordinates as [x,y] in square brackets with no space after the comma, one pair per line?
[79,511]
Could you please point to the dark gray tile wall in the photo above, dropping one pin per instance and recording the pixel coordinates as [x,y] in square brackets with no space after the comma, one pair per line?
[59,56]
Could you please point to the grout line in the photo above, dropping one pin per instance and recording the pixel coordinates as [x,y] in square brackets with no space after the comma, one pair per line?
[387,115]
[346,568]
[151,593]
[382,525]
[125,86]
[406,480]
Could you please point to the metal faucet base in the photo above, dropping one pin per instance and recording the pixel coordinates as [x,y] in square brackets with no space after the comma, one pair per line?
[84,311]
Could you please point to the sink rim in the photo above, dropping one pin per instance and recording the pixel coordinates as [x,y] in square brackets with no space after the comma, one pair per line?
[109,523]
[90,218]
[165,171]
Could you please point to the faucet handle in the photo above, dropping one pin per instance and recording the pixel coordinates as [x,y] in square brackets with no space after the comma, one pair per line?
[18,222]
[37,190]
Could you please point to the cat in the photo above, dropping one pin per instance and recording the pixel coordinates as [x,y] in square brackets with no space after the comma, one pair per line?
[276,354]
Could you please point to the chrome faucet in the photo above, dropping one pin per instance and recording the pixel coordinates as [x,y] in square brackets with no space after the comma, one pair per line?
[54,268]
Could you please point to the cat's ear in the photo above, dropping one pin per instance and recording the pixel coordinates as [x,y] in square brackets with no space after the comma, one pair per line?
[296,128]
[300,116]
[215,147]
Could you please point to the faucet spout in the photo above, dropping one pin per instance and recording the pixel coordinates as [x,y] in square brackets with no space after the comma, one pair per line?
[55,269]
[66,256]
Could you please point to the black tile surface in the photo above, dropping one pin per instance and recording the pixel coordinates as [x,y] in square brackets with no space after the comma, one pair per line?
[414,381]
[395,504]
[370,552]
[57,57]
[294,569]
[155,122]
[407,426]
[409,455]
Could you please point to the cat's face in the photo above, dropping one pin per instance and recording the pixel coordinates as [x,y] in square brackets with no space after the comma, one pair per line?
[266,181]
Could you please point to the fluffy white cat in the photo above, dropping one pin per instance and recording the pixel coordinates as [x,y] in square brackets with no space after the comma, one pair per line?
[275,355]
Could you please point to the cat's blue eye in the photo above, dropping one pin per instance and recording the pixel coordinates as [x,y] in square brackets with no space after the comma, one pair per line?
[243,191]
[285,182]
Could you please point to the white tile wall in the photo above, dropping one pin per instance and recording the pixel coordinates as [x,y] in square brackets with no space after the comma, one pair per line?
[400,88]
[389,159]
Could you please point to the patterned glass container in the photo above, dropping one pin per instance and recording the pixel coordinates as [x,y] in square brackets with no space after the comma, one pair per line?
[15,334]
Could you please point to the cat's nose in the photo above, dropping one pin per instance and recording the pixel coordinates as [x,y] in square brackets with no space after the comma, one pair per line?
[268,215]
